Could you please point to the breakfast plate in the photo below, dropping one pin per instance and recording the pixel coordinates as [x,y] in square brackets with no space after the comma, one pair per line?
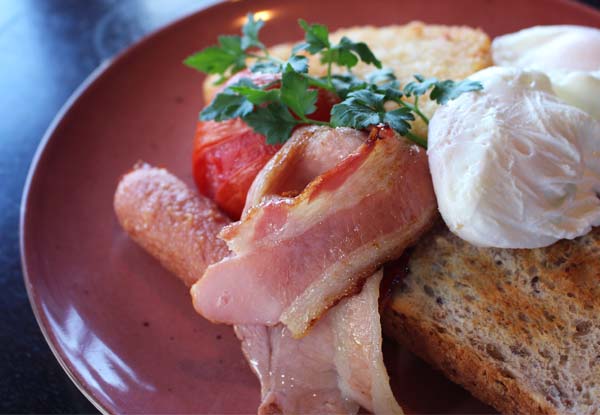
[120,326]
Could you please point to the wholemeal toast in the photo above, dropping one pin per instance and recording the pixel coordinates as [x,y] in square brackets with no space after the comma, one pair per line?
[446,52]
[519,329]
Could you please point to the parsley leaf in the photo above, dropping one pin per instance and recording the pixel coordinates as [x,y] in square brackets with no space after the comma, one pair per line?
[316,37]
[273,121]
[266,67]
[445,91]
[253,93]
[398,119]
[227,56]
[232,45]
[359,110]
[344,84]
[299,47]
[299,63]
[365,108]
[274,112]
[384,81]
[339,56]
[295,93]
[250,33]
[348,53]
[370,98]
[362,50]
[226,105]
[420,87]
[391,93]
[383,76]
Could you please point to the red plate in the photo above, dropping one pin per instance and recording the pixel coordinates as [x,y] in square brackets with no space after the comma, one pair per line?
[121,326]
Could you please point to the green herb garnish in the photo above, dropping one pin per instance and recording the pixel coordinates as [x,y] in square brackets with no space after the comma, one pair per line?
[274,110]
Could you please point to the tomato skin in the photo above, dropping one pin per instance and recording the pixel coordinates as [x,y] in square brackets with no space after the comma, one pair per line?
[228,155]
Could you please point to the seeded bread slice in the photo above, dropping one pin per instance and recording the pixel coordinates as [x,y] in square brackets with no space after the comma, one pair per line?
[519,329]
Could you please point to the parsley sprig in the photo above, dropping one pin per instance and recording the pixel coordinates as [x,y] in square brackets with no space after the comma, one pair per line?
[274,110]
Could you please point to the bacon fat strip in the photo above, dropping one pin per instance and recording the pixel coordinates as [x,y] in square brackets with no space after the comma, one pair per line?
[358,356]
[301,255]
[332,370]
[339,364]
[310,152]
[174,224]
[298,375]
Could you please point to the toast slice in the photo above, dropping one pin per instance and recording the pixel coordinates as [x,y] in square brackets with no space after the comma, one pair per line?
[446,52]
[519,329]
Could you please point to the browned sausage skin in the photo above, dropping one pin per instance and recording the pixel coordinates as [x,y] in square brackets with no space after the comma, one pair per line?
[170,221]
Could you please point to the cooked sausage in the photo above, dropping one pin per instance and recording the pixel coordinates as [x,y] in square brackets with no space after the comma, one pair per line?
[170,221]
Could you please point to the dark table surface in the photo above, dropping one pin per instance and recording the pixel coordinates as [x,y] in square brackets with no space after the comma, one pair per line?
[47,48]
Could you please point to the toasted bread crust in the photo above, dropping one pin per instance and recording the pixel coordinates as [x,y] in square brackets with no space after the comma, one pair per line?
[463,364]
[518,328]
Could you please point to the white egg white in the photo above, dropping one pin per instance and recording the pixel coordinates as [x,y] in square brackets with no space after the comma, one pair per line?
[569,55]
[514,166]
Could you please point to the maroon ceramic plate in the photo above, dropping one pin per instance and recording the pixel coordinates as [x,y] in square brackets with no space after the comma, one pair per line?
[121,326]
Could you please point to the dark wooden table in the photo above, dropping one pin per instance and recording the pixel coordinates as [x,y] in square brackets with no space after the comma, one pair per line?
[47,48]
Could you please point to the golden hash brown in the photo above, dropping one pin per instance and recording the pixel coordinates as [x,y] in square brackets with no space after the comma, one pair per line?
[446,52]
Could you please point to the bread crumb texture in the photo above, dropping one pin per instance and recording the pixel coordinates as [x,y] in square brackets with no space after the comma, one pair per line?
[520,329]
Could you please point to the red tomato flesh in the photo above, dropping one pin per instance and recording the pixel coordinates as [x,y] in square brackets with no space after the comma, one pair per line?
[228,154]
[227,157]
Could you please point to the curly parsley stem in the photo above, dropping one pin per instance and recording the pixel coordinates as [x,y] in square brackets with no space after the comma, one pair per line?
[314,122]
[312,81]
[414,108]
[329,81]
[266,56]
[418,111]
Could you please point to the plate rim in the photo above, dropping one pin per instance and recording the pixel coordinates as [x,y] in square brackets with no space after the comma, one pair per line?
[100,71]
[40,320]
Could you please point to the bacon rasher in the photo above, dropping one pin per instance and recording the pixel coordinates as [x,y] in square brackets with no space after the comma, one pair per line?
[339,364]
[296,257]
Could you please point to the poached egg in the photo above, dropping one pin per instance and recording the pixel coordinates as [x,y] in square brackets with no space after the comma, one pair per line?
[569,55]
[514,166]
